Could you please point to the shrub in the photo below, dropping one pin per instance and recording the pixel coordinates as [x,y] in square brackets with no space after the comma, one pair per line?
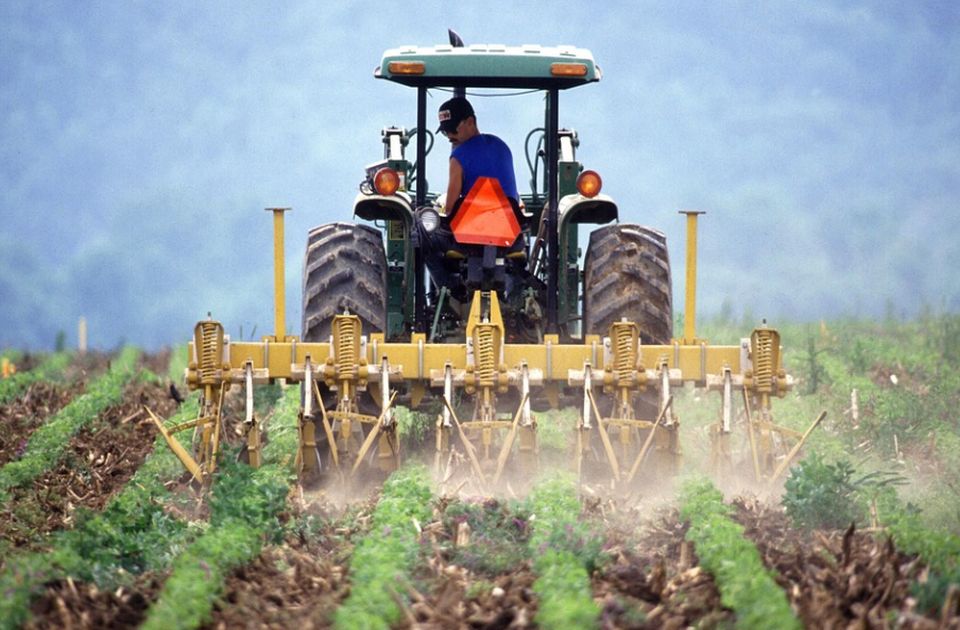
[819,494]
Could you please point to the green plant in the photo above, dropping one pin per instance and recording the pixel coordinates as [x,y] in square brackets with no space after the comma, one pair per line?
[554,428]
[819,494]
[414,427]
[383,558]
[499,533]
[745,584]
[565,551]
[243,513]
[51,368]
[131,535]
[179,359]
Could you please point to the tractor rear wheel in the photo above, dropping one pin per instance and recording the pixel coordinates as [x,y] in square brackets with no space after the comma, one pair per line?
[345,269]
[627,275]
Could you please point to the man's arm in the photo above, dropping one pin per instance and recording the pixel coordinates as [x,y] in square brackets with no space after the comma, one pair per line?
[454,185]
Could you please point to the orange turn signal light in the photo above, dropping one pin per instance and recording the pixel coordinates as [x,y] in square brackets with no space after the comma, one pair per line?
[386,181]
[589,184]
[568,70]
[407,67]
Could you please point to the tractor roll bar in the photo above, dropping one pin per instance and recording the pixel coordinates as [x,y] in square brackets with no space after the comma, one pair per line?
[553,195]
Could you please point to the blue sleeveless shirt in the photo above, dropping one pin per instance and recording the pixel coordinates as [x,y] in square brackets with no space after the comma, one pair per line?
[486,155]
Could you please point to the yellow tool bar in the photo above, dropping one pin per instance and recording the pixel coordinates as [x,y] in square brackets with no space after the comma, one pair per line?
[414,360]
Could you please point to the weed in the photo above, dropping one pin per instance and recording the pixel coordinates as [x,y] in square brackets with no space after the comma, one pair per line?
[499,535]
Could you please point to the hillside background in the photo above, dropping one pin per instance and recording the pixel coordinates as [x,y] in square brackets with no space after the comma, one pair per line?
[140,142]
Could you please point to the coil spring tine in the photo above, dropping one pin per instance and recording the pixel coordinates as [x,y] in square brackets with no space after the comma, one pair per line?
[486,362]
[209,351]
[763,362]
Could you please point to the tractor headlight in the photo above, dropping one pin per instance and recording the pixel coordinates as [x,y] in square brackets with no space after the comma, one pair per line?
[589,184]
[429,219]
[386,181]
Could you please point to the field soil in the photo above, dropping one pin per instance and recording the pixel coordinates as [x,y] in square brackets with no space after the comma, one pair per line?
[97,462]
[21,417]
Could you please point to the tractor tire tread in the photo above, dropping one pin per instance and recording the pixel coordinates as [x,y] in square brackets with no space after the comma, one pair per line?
[344,269]
[627,275]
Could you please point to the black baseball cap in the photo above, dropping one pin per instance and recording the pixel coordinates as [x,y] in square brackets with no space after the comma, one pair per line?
[453,112]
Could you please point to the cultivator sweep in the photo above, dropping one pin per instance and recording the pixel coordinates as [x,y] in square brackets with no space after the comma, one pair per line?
[529,328]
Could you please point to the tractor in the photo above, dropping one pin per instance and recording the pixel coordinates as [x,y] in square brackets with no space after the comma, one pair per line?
[522,326]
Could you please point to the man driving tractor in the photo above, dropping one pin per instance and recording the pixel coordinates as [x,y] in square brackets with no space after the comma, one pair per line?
[477,159]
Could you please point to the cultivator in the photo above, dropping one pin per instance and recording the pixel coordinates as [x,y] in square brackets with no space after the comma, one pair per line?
[613,380]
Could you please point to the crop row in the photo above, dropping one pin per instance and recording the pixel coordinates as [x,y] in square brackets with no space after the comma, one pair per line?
[565,551]
[51,368]
[745,584]
[131,535]
[48,442]
[244,509]
[384,558]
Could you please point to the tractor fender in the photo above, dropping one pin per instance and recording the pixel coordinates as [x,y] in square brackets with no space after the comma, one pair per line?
[397,207]
[576,208]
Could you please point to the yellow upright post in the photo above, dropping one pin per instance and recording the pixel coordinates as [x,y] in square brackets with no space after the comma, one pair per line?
[690,306]
[279,293]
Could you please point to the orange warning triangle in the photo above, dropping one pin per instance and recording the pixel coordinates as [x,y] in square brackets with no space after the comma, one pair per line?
[486,216]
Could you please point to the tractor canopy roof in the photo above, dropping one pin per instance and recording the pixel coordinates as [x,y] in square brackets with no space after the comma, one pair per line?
[489,65]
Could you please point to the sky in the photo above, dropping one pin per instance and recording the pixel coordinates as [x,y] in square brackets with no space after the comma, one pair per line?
[141,141]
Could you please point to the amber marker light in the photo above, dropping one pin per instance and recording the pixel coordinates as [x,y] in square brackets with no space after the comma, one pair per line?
[589,184]
[386,181]
[568,70]
[407,67]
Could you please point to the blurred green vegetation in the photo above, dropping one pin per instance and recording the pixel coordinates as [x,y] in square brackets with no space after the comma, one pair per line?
[891,390]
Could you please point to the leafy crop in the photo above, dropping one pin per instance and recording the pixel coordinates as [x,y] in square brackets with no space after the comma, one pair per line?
[745,584]
[384,557]
[51,368]
[555,428]
[48,442]
[244,510]
[565,553]
[413,427]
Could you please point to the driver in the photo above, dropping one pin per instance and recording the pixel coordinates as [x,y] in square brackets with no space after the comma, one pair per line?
[474,155]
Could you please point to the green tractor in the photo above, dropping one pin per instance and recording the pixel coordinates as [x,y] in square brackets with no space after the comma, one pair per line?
[376,270]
